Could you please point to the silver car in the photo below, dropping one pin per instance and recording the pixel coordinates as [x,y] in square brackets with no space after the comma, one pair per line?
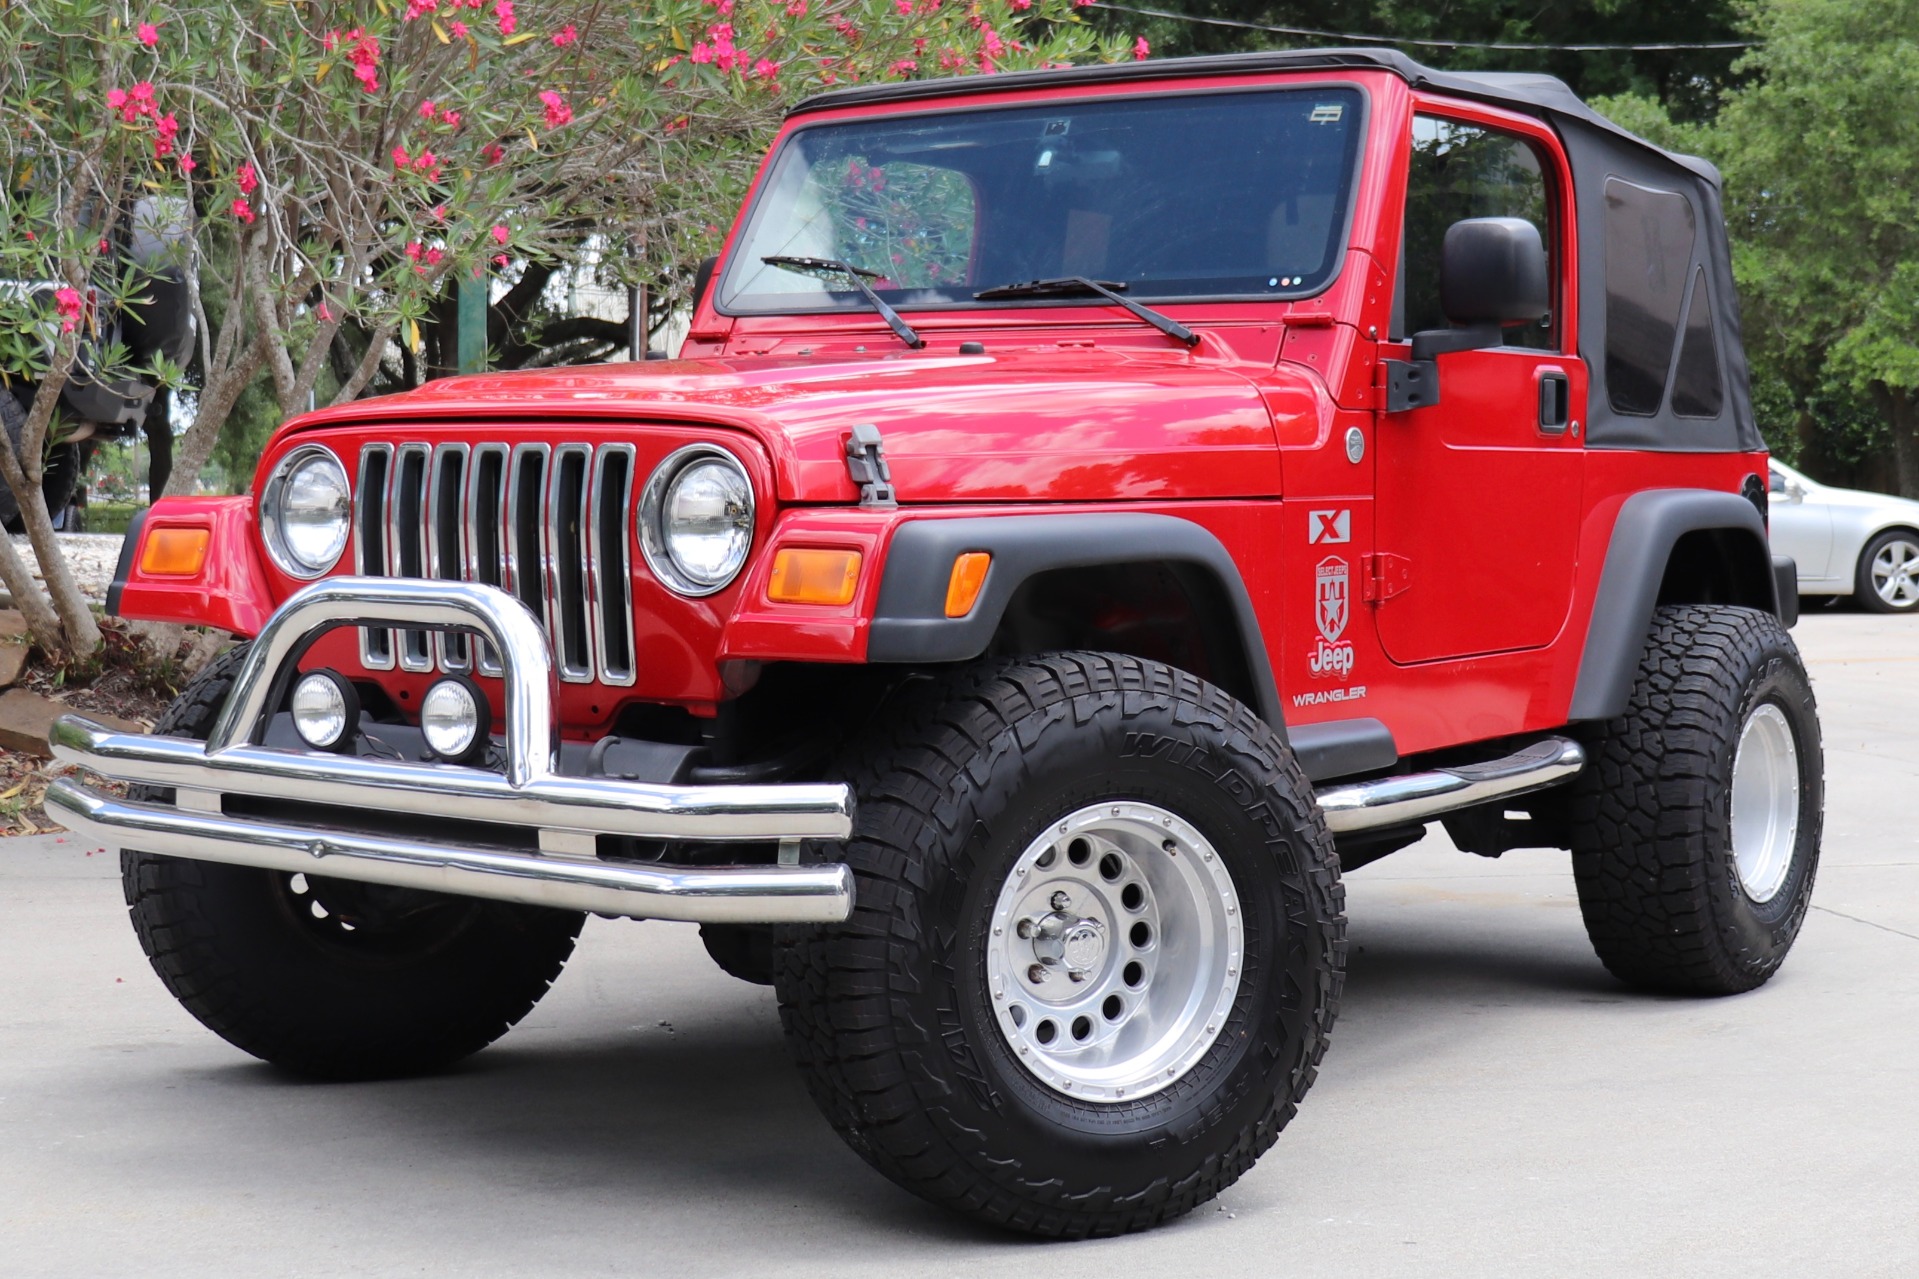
[1848,542]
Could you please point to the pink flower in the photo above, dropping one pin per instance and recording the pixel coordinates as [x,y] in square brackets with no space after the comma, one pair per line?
[450,118]
[503,13]
[417,9]
[331,40]
[439,212]
[564,36]
[494,153]
[766,69]
[326,313]
[187,165]
[364,53]
[246,179]
[557,110]
[427,109]
[702,52]
[400,158]
[148,34]
[413,250]
[116,99]
[242,210]
[499,259]
[433,257]
[797,9]
[724,6]
[458,29]
[500,234]
[1141,50]
[67,303]
[904,6]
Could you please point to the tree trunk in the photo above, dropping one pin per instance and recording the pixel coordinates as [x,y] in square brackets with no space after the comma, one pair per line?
[159,432]
[1901,411]
[217,398]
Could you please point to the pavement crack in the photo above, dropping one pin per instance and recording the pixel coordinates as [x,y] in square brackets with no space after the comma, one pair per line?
[1884,928]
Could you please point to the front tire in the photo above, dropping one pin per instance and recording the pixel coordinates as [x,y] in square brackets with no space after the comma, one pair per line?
[1100,845]
[329,978]
[1696,824]
[1887,579]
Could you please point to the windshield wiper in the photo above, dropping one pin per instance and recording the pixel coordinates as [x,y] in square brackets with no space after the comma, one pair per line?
[1108,289]
[858,275]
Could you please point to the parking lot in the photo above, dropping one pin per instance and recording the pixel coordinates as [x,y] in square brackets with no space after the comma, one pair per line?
[1493,1104]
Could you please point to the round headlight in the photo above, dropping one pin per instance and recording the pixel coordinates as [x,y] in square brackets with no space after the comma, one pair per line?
[696,519]
[304,511]
[325,710]
[453,719]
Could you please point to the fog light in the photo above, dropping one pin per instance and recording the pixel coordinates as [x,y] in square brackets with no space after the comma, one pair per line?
[325,710]
[453,719]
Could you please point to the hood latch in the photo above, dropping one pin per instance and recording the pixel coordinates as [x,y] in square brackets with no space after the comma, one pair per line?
[866,464]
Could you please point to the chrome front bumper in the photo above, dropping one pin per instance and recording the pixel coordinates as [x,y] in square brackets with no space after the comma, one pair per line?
[561,816]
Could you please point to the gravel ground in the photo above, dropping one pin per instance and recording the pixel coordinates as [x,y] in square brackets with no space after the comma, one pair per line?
[92,557]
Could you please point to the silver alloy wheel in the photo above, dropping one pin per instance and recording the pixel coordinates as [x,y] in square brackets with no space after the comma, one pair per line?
[1765,802]
[1115,952]
[1895,573]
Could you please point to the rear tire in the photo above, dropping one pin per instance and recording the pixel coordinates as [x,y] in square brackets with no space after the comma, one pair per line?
[329,978]
[1887,579]
[1696,824]
[1174,1059]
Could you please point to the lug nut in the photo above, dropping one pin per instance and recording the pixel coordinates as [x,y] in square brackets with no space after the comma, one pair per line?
[1061,901]
[1037,973]
[1024,928]
[1076,976]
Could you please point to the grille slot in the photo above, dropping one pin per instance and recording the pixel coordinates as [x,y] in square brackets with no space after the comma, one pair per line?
[549,524]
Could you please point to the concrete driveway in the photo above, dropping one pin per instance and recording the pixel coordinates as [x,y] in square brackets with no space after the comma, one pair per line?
[1494,1104]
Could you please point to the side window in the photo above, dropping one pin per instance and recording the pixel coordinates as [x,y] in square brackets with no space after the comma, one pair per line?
[1649,243]
[1467,171]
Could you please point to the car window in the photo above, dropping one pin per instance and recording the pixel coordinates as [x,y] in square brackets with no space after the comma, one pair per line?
[1463,171]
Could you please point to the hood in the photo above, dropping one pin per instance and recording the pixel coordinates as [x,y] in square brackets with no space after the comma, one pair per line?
[1054,423]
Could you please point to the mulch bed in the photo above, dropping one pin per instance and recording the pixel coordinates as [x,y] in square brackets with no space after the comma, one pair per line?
[131,682]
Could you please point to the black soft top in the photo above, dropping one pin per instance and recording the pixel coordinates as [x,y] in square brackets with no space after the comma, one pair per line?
[1623,332]
[1541,95]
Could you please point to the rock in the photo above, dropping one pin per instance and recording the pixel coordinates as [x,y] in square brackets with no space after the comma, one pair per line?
[13,647]
[26,717]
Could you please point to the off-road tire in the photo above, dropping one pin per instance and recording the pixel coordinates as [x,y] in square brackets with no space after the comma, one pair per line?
[232,945]
[1659,884]
[58,476]
[744,951]
[1864,592]
[889,1015]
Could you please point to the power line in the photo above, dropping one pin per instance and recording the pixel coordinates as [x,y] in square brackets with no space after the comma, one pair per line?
[1429,44]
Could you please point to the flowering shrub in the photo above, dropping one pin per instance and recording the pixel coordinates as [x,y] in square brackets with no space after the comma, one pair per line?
[339,164]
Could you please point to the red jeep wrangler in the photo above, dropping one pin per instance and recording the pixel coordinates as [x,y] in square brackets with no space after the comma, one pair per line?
[1093,509]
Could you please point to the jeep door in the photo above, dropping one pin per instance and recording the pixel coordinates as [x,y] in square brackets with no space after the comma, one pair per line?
[1478,495]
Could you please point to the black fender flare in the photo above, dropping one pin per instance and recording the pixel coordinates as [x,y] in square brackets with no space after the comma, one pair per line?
[1649,526]
[910,624]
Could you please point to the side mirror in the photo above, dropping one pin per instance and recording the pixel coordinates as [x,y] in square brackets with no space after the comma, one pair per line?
[702,279]
[1492,276]
[1775,482]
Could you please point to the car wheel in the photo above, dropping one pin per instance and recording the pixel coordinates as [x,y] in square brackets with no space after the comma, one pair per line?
[327,977]
[1696,824]
[1888,575]
[1096,951]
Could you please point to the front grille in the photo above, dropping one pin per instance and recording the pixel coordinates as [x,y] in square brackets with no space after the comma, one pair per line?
[548,523]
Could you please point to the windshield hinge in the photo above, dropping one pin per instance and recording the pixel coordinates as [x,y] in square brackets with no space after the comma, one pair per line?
[866,464]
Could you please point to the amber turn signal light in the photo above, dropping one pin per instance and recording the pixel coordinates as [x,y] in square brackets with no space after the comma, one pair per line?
[175,552]
[962,589]
[804,575]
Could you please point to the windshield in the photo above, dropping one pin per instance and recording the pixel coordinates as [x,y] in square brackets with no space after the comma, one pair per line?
[1178,196]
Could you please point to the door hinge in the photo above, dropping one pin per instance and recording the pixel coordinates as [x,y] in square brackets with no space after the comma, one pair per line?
[1409,384]
[866,464]
[1386,575]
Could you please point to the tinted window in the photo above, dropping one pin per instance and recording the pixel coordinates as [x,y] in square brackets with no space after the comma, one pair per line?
[1696,390]
[1173,196]
[1462,171]
[1649,243]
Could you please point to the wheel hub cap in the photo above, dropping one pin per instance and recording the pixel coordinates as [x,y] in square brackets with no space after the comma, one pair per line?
[1765,802]
[1115,950]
